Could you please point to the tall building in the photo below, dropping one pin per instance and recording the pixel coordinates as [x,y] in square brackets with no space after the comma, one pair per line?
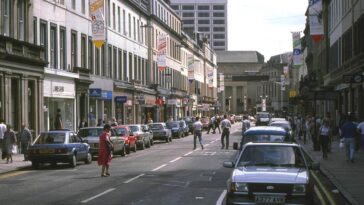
[206,17]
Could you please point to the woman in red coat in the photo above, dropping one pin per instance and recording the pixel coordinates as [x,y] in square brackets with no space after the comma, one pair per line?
[104,158]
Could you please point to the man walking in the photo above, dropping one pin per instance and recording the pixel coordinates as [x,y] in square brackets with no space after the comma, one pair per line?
[2,132]
[25,140]
[197,132]
[360,130]
[225,125]
[348,131]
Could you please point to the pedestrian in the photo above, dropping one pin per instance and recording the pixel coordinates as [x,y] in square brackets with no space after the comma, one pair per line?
[211,125]
[313,128]
[325,136]
[100,123]
[58,124]
[2,131]
[114,122]
[104,157]
[245,124]
[83,124]
[360,130]
[217,123]
[225,125]
[8,144]
[197,132]
[348,132]
[25,138]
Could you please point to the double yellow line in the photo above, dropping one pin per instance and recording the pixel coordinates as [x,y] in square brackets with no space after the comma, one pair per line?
[321,191]
[12,174]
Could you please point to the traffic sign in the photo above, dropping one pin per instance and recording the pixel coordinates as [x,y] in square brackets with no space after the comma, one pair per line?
[357,78]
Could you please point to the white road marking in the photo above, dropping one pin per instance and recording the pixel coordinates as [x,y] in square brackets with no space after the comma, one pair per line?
[96,196]
[160,167]
[187,154]
[207,145]
[213,153]
[221,198]
[178,158]
[134,178]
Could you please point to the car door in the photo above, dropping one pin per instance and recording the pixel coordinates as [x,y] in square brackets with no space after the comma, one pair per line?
[75,142]
[116,140]
[148,132]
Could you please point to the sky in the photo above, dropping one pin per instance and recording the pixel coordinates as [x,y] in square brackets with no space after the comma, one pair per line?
[264,25]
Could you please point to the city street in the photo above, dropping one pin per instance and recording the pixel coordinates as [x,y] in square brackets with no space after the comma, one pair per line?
[164,174]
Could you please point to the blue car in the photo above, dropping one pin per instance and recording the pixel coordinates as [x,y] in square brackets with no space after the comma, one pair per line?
[59,146]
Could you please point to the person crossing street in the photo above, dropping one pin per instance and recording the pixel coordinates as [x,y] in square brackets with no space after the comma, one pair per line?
[225,125]
[197,132]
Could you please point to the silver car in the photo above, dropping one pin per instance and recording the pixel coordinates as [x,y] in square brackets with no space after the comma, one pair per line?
[160,131]
[270,173]
[143,139]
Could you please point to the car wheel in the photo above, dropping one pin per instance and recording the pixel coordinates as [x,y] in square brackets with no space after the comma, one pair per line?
[151,142]
[170,139]
[88,159]
[122,152]
[127,151]
[35,164]
[135,148]
[167,139]
[73,161]
[148,144]
[142,146]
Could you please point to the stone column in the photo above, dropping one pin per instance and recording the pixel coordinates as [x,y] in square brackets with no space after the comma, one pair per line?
[24,99]
[39,100]
[233,100]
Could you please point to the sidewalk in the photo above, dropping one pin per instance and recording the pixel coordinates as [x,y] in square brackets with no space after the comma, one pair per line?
[17,164]
[347,177]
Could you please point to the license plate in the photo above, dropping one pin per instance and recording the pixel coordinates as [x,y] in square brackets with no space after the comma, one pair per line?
[46,151]
[270,199]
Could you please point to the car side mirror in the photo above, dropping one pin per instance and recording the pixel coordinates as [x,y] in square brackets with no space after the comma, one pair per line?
[315,165]
[228,164]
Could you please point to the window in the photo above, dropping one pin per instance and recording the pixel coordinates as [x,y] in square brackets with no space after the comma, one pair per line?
[83,6]
[219,21]
[6,16]
[138,30]
[219,29]
[91,56]
[97,61]
[124,23]
[43,40]
[188,14]
[130,74]
[103,60]
[203,28]
[35,30]
[219,36]
[108,13]
[113,16]
[203,14]
[204,21]
[189,21]
[129,26]
[188,7]
[53,46]
[83,50]
[73,4]
[21,20]
[134,29]
[73,49]
[125,66]
[175,7]
[119,20]
[120,66]
[219,7]
[203,7]
[219,14]
[219,43]
[109,61]
[62,48]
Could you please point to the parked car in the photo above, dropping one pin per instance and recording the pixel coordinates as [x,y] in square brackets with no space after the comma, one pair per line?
[238,118]
[205,122]
[262,118]
[176,129]
[130,140]
[283,124]
[264,134]
[184,127]
[59,146]
[91,136]
[146,129]
[143,139]
[189,121]
[160,131]
[270,173]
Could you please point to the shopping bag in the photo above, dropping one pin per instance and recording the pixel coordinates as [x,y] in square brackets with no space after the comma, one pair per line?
[14,149]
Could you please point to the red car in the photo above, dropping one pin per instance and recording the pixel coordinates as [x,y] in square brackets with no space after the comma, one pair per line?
[128,137]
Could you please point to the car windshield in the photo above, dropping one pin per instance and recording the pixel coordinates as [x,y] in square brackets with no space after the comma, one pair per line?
[263,138]
[134,128]
[121,131]
[51,138]
[96,132]
[267,155]
[156,126]
[283,125]
[263,115]
[173,124]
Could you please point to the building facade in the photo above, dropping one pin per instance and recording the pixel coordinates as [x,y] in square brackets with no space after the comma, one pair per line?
[204,18]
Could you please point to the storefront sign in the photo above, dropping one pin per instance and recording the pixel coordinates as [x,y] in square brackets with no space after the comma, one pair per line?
[121,99]
[106,95]
[95,93]
[172,102]
[353,78]
[58,89]
[129,103]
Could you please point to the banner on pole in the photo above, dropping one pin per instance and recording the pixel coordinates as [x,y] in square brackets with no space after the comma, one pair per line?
[97,22]
[190,68]
[297,52]
[162,52]
[222,84]
[316,19]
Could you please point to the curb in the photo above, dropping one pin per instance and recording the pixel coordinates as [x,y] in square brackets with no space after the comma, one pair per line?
[336,183]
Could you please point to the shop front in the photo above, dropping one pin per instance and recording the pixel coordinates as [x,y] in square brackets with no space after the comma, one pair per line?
[100,106]
[59,104]
[147,108]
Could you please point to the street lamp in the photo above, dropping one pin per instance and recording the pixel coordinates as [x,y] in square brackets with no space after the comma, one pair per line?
[229,103]
[264,102]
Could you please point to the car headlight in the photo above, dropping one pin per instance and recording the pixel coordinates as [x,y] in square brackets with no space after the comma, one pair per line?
[238,187]
[299,189]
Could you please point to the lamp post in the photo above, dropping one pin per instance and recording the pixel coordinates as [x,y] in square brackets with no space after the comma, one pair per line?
[229,104]
[264,102]
[245,101]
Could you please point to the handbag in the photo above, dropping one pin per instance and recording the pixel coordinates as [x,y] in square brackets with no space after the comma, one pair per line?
[14,149]
[341,144]
[109,146]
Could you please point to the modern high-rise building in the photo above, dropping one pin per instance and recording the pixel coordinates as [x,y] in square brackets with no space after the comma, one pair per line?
[206,17]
